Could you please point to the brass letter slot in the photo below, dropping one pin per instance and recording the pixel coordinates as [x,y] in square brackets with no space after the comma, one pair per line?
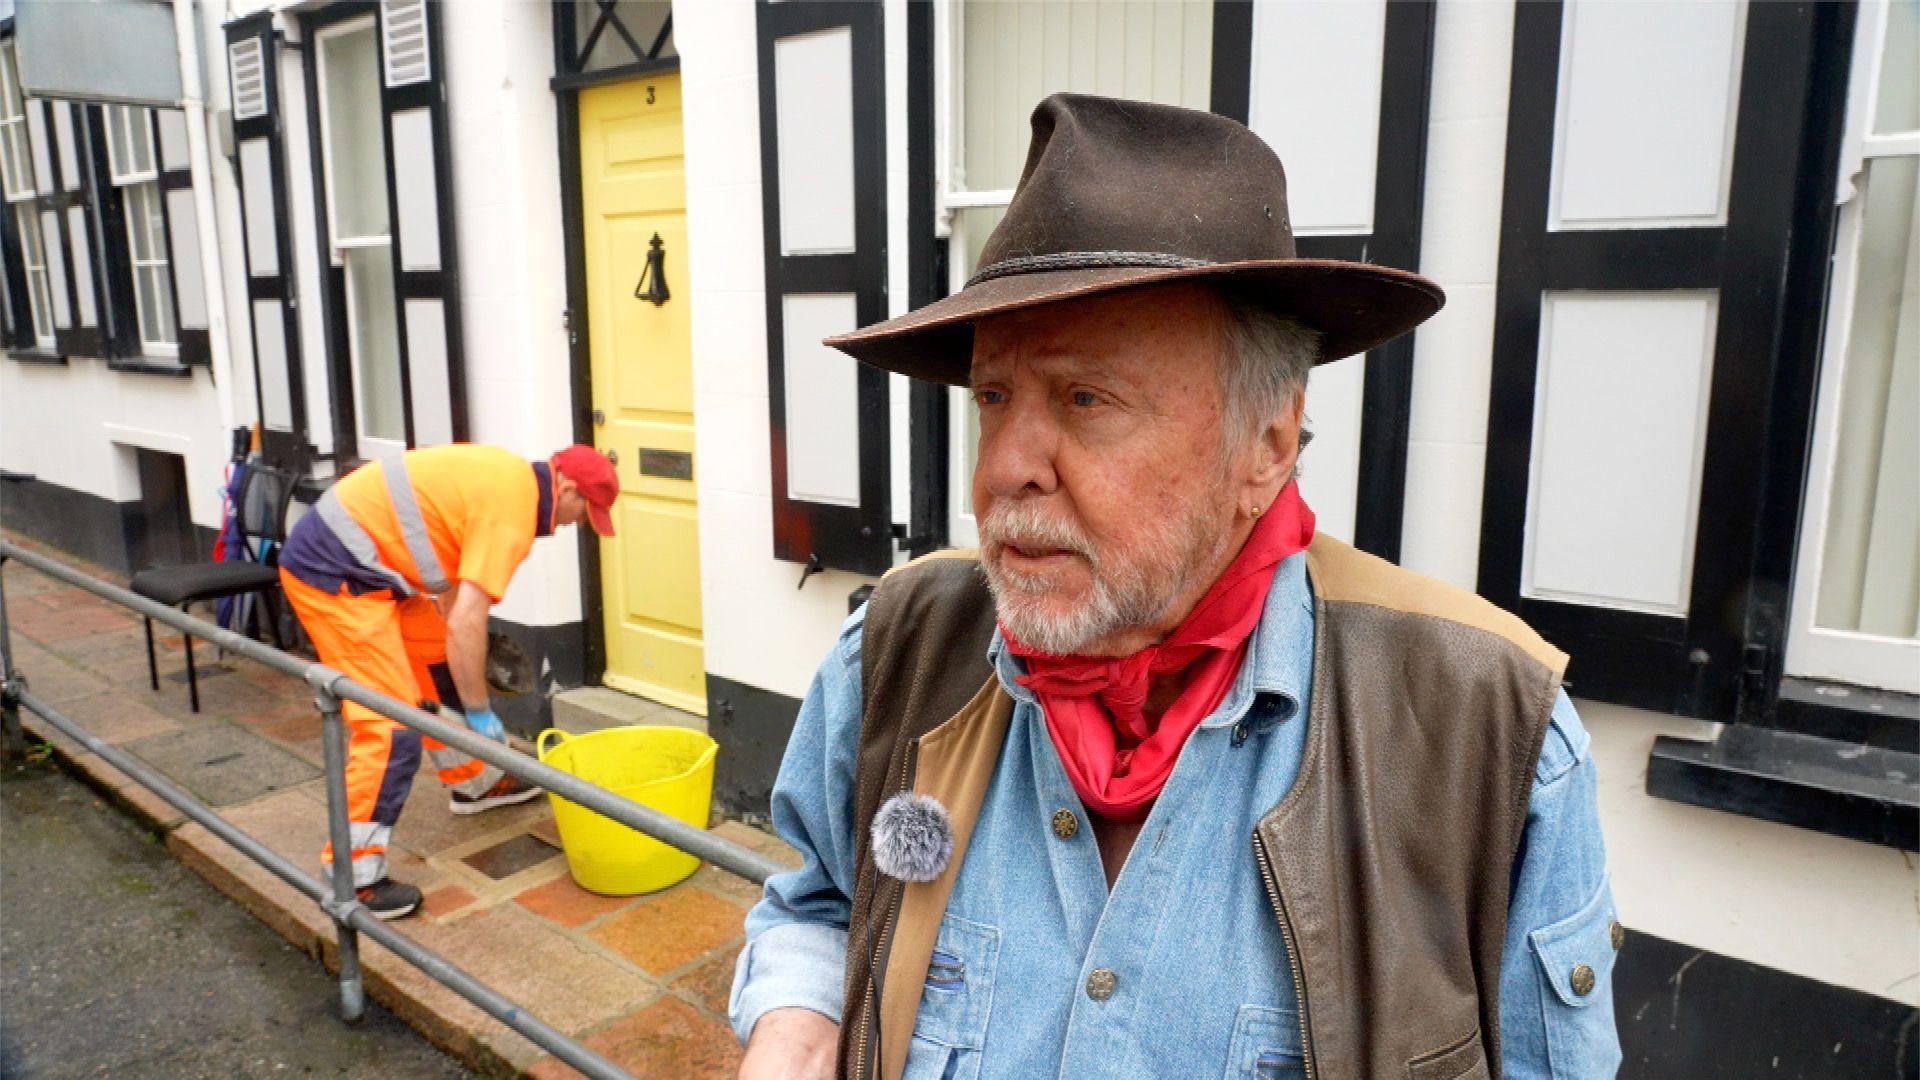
[671,464]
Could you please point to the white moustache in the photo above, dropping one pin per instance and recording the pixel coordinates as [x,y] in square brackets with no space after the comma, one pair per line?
[1026,526]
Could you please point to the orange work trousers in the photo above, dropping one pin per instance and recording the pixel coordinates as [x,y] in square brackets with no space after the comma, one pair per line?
[387,644]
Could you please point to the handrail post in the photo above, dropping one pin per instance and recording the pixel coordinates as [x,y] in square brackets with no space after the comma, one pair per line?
[333,738]
[13,741]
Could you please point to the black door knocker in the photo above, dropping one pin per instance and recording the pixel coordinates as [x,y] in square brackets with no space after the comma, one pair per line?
[656,271]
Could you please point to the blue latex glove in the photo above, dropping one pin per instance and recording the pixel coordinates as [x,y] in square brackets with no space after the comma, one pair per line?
[484,722]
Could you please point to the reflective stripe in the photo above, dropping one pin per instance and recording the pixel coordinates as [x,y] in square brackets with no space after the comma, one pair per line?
[413,527]
[356,540]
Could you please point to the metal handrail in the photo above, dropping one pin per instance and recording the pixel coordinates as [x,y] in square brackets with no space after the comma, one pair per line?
[350,917]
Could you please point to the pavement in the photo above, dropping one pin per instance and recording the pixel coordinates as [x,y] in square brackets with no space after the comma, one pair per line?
[641,980]
[163,975]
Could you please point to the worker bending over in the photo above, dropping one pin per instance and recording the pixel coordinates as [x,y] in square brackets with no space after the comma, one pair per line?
[392,574]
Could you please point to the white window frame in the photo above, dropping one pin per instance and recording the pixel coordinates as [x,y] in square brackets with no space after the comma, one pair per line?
[1814,651]
[950,195]
[131,125]
[129,128]
[16,162]
[369,447]
[40,294]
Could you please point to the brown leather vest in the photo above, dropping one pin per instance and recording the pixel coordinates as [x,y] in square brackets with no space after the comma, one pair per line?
[1388,862]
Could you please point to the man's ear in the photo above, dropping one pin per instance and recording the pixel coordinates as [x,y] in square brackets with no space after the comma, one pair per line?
[1277,450]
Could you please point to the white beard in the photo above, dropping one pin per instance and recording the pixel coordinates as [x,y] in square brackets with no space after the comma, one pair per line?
[1129,590]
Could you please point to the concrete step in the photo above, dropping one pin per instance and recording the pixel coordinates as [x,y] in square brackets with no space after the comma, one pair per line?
[593,708]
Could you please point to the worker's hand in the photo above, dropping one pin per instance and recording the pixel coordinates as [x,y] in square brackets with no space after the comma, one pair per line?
[484,722]
[791,1044]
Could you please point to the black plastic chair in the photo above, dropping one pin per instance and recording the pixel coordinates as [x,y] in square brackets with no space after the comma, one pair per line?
[262,508]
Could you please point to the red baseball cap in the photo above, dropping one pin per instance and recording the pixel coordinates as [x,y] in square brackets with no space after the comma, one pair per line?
[599,485]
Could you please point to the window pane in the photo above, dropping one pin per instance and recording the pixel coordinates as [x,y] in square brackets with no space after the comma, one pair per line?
[169,328]
[34,257]
[156,307]
[1899,106]
[1870,567]
[30,238]
[1015,54]
[13,159]
[642,20]
[117,160]
[148,302]
[9,85]
[376,343]
[80,237]
[356,156]
[136,199]
[140,139]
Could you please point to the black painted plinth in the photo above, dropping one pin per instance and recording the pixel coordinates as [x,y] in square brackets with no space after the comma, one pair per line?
[1843,788]
[1687,1013]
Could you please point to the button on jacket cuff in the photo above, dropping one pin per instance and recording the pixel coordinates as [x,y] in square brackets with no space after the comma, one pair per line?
[789,964]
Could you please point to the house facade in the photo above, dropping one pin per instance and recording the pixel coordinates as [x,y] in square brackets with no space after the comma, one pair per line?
[1670,414]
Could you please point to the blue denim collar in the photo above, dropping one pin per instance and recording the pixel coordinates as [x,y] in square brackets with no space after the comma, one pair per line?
[1279,664]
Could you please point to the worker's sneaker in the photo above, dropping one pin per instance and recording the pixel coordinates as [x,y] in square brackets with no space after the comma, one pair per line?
[388,899]
[508,791]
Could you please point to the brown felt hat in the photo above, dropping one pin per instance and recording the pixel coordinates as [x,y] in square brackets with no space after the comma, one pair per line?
[1121,194]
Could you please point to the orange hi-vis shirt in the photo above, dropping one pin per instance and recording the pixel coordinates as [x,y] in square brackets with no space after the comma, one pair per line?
[480,506]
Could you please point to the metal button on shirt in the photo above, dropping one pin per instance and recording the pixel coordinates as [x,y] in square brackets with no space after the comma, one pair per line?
[1617,934]
[1582,979]
[1100,984]
[1066,824]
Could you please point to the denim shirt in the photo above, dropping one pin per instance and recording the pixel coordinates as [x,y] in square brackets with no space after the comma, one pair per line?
[1203,985]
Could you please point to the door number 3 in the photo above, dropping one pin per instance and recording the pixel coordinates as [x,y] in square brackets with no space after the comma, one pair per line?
[649,95]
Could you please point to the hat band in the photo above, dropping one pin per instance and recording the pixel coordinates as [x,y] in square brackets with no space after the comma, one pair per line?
[1085,260]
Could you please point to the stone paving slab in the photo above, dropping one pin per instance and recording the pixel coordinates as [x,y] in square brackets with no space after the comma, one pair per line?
[642,980]
[223,764]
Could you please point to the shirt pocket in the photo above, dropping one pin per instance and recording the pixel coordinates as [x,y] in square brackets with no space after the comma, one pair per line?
[955,1003]
[1576,957]
[1266,1045]
[958,995]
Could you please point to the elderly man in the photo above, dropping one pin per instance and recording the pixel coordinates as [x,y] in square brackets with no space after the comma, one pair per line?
[1162,783]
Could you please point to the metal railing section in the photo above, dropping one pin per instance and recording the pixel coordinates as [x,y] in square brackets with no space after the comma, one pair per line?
[350,917]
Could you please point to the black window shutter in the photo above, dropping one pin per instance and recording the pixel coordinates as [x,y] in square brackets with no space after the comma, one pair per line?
[859,537]
[279,389]
[420,201]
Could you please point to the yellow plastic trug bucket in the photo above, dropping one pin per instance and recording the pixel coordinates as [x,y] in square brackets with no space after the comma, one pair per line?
[667,768]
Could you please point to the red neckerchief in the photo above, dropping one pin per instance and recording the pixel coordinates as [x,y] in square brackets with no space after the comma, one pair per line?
[1117,758]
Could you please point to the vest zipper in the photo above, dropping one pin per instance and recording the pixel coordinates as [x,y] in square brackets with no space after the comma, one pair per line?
[1293,950]
[869,1026]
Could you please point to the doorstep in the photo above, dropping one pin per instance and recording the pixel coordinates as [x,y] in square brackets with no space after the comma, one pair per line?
[587,709]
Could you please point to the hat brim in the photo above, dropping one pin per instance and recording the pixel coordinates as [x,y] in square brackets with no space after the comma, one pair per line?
[600,519]
[1354,306]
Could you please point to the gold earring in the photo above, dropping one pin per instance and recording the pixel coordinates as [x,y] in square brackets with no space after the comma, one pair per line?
[1254,511]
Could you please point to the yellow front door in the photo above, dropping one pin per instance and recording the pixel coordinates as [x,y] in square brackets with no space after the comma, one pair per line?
[633,198]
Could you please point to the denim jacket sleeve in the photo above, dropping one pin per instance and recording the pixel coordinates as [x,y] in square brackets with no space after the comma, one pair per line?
[797,934]
[1556,972]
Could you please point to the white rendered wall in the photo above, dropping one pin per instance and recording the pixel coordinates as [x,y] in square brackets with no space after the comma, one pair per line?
[506,183]
[77,426]
[760,630]
[1839,911]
